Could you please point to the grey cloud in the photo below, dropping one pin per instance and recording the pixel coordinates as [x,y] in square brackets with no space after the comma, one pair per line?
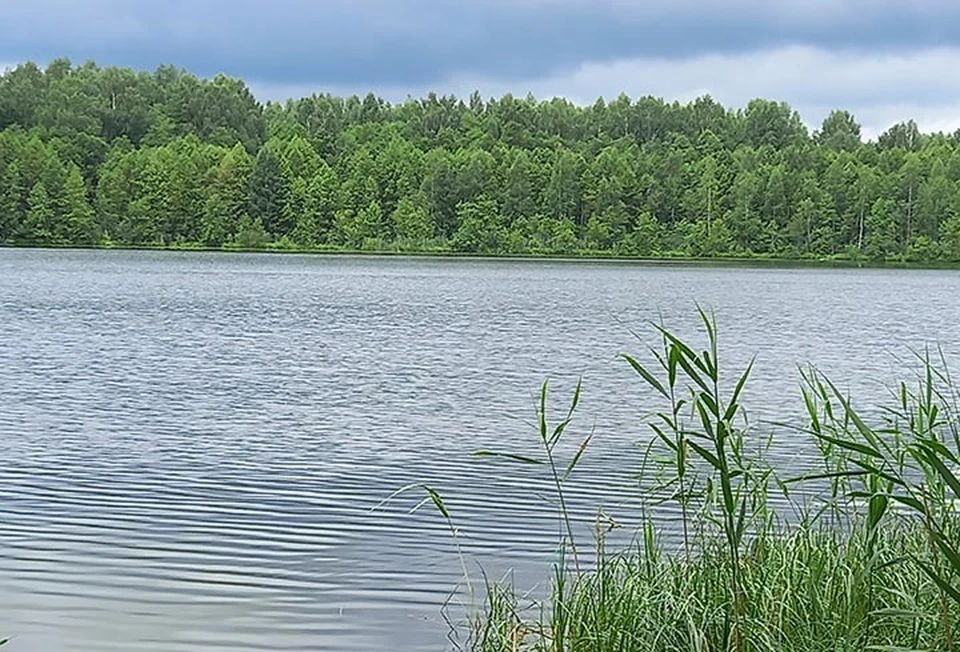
[419,42]
[879,89]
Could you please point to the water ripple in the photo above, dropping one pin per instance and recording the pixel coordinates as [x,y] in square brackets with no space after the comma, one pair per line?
[196,448]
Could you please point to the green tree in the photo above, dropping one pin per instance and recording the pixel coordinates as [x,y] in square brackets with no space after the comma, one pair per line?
[359,187]
[921,250]
[174,189]
[399,170]
[120,184]
[23,93]
[597,234]
[90,154]
[840,131]
[867,192]
[933,201]
[12,205]
[268,194]
[518,194]
[703,198]
[644,239]
[360,230]
[561,197]
[480,228]
[561,235]
[776,207]
[250,234]
[744,218]
[880,241]
[40,227]
[703,240]
[440,188]
[315,218]
[950,239]
[772,124]
[910,177]
[904,136]
[78,217]
[228,199]
[411,221]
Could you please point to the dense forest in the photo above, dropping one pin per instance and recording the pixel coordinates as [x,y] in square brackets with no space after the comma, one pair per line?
[114,157]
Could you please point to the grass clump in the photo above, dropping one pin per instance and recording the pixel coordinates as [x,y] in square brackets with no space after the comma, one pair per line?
[872,564]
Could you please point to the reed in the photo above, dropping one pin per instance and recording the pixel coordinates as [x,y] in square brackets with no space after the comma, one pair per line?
[872,564]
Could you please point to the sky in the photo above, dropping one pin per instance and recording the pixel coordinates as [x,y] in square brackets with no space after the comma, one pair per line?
[886,61]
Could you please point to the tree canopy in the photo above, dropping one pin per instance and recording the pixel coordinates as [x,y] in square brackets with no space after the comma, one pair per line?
[109,156]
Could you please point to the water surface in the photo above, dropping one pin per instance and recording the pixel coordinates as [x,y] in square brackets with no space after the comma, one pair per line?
[194,446]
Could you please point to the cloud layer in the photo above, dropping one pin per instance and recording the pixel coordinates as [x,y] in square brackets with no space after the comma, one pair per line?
[880,89]
[421,41]
[886,60]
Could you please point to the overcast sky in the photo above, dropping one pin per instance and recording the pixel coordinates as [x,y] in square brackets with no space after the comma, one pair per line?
[885,60]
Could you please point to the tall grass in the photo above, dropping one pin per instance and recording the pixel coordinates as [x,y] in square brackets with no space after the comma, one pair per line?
[872,564]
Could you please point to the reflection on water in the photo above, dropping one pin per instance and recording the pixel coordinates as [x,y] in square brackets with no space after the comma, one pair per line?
[195,445]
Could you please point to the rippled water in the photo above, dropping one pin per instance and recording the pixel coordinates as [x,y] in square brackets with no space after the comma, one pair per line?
[194,446]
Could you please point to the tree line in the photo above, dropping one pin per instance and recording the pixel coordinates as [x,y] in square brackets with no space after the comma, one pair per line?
[114,157]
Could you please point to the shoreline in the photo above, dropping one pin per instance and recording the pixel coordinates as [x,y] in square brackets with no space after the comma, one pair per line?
[589,258]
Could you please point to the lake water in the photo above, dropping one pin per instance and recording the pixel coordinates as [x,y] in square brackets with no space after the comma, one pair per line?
[194,446]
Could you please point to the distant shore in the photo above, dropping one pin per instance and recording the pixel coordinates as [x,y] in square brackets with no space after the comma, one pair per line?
[584,257]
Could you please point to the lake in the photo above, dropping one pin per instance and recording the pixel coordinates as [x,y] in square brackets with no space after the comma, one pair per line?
[196,446]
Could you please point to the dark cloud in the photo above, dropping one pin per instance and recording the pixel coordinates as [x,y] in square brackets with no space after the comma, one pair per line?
[417,42]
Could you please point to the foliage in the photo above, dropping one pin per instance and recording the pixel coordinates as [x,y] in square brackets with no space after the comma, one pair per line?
[870,563]
[168,159]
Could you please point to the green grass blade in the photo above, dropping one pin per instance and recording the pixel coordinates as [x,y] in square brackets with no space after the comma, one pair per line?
[937,448]
[437,501]
[877,472]
[741,383]
[707,456]
[543,411]
[711,405]
[708,426]
[509,456]
[943,471]
[685,350]
[850,445]
[673,361]
[576,458]
[909,501]
[865,431]
[646,375]
[948,550]
[810,477]
[672,445]
[944,586]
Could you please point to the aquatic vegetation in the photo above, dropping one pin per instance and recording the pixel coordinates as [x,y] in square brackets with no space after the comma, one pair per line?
[870,562]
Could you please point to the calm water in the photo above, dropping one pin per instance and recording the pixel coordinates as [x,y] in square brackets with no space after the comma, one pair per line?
[194,446]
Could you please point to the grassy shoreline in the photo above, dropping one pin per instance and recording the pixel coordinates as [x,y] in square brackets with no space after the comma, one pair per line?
[584,257]
[872,564]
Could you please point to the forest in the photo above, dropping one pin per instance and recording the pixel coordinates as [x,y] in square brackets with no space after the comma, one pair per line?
[93,156]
